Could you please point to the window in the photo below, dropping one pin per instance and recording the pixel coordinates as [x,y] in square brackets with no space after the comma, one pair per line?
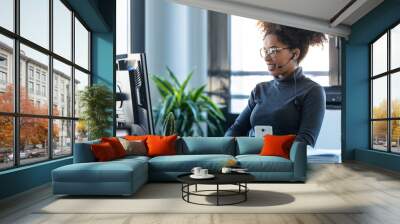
[30,72]
[7,14]
[34,21]
[6,74]
[81,81]
[54,126]
[38,89]
[385,97]
[3,61]
[248,68]
[44,91]
[62,74]
[3,78]
[6,142]
[81,45]
[62,29]
[62,140]
[37,74]
[30,87]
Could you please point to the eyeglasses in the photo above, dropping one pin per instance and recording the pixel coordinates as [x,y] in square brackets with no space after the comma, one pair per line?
[271,51]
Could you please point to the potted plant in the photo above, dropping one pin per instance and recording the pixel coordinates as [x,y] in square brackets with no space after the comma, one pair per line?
[189,107]
[96,102]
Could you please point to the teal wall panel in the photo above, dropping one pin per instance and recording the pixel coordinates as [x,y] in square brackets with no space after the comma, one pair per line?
[24,178]
[103,59]
[103,63]
[377,158]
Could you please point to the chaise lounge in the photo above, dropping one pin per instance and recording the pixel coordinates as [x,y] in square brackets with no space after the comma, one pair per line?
[125,176]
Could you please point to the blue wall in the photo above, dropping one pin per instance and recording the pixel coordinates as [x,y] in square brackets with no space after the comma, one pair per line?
[24,178]
[356,83]
[103,62]
[99,15]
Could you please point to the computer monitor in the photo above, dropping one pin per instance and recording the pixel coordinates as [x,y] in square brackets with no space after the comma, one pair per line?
[133,106]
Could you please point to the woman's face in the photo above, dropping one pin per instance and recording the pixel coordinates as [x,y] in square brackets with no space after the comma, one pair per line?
[281,60]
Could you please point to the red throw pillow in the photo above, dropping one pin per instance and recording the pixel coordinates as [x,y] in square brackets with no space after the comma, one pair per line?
[136,137]
[277,145]
[161,145]
[103,152]
[116,145]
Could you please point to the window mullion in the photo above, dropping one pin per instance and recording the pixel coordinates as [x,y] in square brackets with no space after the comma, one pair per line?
[389,76]
[73,82]
[50,82]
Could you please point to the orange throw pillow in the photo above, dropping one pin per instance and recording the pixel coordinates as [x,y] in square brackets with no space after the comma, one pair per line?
[161,145]
[103,152]
[116,145]
[136,137]
[277,145]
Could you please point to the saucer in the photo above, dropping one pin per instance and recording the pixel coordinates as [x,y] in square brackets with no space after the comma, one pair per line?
[208,176]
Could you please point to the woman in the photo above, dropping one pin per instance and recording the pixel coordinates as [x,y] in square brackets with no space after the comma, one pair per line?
[291,103]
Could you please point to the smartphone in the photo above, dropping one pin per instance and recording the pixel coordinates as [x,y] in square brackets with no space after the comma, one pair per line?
[261,130]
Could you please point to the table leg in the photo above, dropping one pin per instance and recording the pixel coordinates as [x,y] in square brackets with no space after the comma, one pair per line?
[217,194]
[245,193]
[196,188]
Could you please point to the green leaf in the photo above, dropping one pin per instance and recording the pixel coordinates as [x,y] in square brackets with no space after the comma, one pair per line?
[197,92]
[174,78]
[194,109]
[213,107]
[183,86]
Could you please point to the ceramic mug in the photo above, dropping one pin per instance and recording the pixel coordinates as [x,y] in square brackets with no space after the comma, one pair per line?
[226,170]
[196,171]
[203,172]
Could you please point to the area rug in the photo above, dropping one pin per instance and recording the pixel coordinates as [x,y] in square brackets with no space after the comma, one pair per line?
[167,198]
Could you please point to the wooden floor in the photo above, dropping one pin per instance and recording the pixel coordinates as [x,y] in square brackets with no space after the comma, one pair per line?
[378,188]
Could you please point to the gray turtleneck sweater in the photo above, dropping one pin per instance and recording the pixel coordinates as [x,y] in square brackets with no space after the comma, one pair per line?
[295,105]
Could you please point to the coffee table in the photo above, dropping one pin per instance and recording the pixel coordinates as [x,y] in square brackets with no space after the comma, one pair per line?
[238,179]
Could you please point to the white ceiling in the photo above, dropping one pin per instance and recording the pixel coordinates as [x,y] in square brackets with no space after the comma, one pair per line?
[314,15]
[321,9]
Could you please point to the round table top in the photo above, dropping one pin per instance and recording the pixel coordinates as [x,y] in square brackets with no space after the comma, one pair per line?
[220,178]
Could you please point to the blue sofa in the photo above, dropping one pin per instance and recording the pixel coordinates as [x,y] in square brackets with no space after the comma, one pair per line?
[125,176]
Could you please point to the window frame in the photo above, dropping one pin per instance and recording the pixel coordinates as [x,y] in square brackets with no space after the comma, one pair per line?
[16,115]
[388,74]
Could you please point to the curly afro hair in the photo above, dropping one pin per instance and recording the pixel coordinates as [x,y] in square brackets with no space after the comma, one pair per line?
[293,37]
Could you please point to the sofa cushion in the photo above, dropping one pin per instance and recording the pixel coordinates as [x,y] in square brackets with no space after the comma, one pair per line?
[136,137]
[249,145]
[116,145]
[112,171]
[134,147]
[161,145]
[103,152]
[206,145]
[257,163]
[185,163]
[277,145]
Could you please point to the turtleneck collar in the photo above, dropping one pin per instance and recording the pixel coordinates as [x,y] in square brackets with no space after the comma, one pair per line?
[298,73]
